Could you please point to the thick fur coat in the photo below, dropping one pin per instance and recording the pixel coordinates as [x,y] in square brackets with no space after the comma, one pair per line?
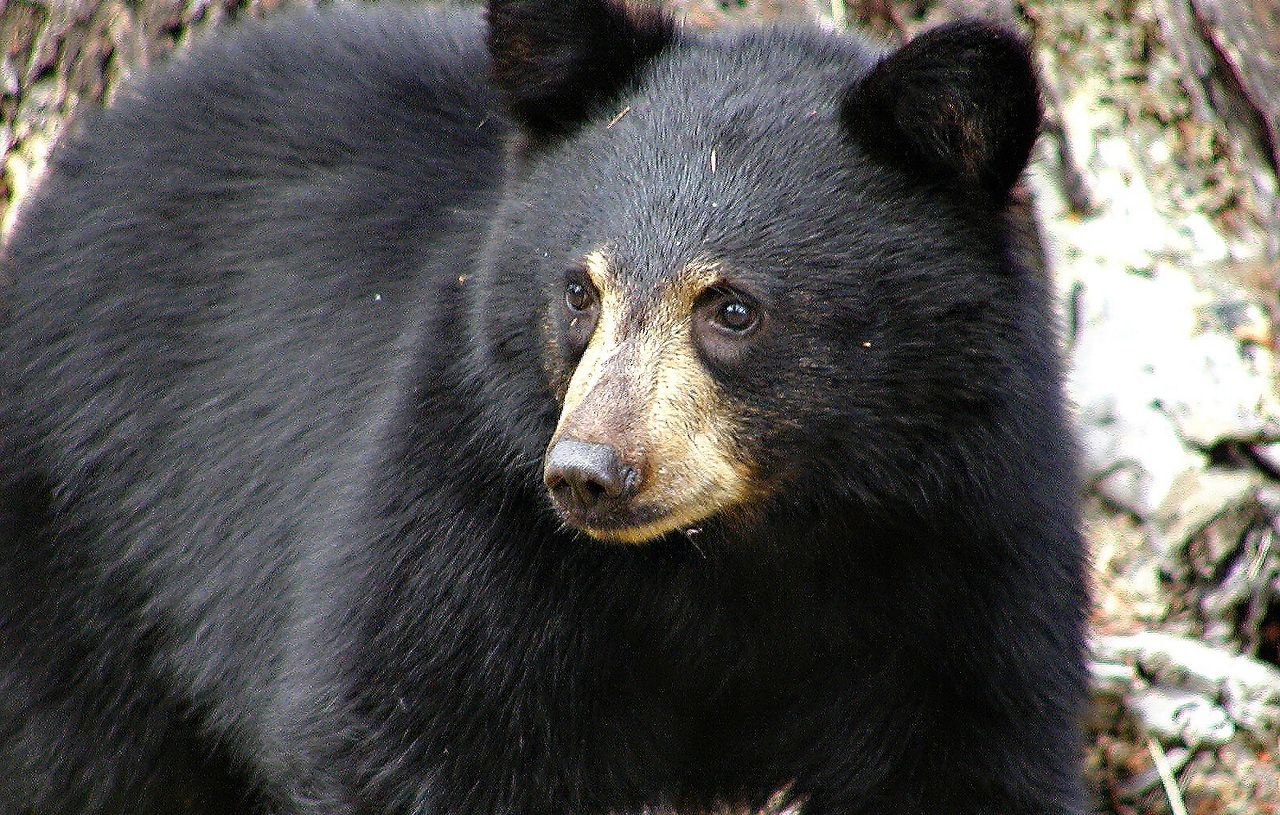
[294,329]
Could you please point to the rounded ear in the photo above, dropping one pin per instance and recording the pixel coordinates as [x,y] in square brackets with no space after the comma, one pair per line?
[960,100]
[558,61]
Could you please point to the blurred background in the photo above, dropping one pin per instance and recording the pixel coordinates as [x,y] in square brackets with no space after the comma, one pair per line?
[1155,188]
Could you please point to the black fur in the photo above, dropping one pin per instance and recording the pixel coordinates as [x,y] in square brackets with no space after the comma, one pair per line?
[559,62]
[275,385]
[960,99]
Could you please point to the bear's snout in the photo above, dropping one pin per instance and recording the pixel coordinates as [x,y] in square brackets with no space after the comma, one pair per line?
[584,476]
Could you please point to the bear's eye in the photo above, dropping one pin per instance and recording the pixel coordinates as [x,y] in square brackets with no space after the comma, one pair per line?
[732,312]
[579,296]
[581,309]
[736,316]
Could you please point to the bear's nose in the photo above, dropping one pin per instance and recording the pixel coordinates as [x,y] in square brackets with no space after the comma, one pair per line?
[582,475]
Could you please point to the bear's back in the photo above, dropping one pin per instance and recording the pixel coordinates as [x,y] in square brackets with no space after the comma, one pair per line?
[266,206]
[304,137]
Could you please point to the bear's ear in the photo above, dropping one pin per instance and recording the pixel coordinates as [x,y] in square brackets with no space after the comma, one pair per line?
[557,61]
[960,100]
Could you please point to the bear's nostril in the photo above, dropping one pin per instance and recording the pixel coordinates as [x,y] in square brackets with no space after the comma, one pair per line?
[590,492]
[586,474]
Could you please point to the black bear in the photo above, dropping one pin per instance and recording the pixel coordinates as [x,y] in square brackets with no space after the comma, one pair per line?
[552,411]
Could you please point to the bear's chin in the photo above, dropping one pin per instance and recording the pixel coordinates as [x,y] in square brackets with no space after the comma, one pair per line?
[641,526]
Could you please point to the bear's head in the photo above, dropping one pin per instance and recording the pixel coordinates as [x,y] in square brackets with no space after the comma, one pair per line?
[751,266]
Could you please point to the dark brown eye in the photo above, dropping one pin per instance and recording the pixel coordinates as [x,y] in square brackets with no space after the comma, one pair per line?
[736,316]
[734,313]
[725,321]
[579,296]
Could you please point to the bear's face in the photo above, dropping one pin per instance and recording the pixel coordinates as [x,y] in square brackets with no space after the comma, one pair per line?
[726,275]
[635,363]
[677,282]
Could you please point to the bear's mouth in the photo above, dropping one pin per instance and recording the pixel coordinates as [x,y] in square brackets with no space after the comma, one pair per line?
[632,523]
[626,524]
